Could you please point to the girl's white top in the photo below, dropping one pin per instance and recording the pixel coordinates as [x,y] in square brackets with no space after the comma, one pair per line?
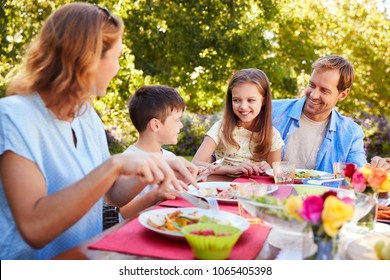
[234,155]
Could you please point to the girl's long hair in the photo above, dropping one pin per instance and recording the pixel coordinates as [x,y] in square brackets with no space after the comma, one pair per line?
[63,58]
[262,126]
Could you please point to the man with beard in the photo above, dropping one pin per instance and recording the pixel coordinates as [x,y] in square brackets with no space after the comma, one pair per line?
[315,133]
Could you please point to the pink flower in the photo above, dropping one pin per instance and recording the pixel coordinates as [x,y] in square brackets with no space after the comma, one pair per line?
[349,170]
[358,182]
[347,200]
[311,209]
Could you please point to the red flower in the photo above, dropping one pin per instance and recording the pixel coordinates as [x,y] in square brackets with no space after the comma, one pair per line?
[328,193]
[349,170]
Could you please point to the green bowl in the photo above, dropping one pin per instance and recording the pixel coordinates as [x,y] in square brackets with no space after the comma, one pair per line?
[211,247]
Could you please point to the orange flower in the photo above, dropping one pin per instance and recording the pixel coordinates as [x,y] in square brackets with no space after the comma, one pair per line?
[377,178]
[378,175]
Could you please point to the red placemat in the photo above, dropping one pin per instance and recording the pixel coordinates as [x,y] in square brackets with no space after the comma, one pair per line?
[134,239]
[263,179]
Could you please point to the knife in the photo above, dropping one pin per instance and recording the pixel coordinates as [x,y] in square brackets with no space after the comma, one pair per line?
[196,201]
[333,183]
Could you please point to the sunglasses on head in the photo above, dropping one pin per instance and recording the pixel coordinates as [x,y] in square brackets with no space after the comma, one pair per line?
[108,14]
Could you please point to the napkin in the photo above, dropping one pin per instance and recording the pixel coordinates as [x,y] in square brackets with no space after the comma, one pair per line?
[134,239]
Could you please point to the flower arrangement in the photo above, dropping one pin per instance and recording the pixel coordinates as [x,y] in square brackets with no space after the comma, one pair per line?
[325,213]
[367,179]
[370,181]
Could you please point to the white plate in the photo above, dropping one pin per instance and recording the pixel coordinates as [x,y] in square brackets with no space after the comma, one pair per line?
[383,221]
[322,174]
[213,186]
[363,248]
[233,219]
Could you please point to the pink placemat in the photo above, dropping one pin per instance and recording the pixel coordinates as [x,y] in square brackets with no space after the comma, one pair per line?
[134,239]
[283,191]
[264,179]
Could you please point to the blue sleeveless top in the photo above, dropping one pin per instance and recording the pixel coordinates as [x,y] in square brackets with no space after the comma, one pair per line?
[30,130]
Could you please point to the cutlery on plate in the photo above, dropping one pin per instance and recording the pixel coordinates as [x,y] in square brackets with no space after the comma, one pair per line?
[196,201]
[213,203]
[207,171]
[328,182]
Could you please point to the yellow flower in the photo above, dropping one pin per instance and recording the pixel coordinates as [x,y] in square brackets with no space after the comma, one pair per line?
[377,178]
[293,206]
[366,170]
[335,214]
[385,186]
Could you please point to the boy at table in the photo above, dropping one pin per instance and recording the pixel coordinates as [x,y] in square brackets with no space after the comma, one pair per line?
[156,113]
[315,133]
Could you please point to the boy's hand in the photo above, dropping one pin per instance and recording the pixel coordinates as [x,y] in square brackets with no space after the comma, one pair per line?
[184,170]
[164,193]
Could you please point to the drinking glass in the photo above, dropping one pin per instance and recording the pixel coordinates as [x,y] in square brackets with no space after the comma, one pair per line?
[284,172]
[247,216]
[338,169]
[249,190]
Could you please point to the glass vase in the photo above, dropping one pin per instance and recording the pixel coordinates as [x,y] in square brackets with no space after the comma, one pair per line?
[319,246]
[369,220]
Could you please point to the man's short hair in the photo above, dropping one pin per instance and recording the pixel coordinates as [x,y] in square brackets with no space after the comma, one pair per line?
[347,73]
[150,102]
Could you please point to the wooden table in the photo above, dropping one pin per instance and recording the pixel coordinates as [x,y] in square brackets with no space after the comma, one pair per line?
[81,252]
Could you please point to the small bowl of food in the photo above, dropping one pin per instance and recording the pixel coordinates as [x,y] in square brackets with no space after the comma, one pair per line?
[211,241]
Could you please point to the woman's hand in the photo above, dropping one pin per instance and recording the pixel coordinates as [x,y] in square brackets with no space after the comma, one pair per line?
[152,168]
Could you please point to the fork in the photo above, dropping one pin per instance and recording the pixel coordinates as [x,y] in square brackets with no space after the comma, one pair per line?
[207,172]
[213,206]
[213,203]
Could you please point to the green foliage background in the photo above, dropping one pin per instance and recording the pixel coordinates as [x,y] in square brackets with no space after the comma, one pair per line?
[196,45]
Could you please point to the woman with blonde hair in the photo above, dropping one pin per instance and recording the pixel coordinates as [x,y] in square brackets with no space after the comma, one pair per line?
[55,165]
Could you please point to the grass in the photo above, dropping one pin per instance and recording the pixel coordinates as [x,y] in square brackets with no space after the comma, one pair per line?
[189,158]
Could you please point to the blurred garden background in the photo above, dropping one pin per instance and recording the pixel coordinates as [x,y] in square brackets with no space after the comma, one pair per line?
[196,45]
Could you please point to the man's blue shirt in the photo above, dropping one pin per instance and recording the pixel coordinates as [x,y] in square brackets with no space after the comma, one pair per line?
[343,141]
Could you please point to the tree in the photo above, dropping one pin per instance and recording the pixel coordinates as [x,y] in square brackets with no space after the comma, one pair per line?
[196,46]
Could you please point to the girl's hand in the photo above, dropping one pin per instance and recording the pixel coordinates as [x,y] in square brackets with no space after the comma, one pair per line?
[263,166]
[251,169]
[246,169]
